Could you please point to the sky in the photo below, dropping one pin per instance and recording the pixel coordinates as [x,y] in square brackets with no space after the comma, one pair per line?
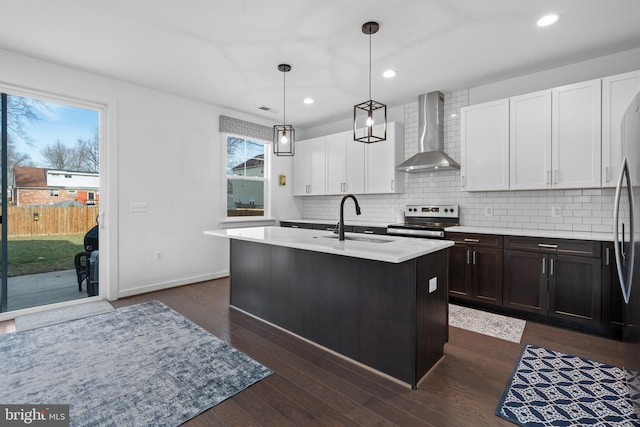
[59,122]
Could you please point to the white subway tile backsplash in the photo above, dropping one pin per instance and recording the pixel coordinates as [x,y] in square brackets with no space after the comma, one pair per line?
[582,209]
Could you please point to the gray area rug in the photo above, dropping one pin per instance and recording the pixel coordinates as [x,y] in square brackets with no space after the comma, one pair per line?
[142,365]
[60,315]
[494,325]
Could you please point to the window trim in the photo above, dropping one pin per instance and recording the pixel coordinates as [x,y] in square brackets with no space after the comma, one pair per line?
[266,216]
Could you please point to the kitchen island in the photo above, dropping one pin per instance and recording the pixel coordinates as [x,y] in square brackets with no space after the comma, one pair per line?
[378,300]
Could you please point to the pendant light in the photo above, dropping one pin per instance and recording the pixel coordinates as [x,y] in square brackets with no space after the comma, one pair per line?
[370,113]
[284,135]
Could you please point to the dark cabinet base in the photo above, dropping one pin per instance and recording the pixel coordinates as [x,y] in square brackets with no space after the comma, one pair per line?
[377,313]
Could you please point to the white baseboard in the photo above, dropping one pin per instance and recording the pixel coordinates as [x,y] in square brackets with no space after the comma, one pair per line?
[171,284]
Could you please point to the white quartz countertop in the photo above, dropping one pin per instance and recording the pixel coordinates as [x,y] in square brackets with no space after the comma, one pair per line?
[392,249]
[335,221]
[556,234]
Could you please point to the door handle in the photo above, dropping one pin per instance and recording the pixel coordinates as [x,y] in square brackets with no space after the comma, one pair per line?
[468,257]
[551,268]
[544,266]
[474,257]
[625,279]
[547,245]
[607,257]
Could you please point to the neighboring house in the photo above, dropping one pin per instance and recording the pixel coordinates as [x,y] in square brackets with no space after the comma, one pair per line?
[40,186]
[247,193]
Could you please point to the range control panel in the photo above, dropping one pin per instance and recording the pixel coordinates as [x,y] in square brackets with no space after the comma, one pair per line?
[432,211]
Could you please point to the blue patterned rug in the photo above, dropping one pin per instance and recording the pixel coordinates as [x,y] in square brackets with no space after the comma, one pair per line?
[142,365]
[549,388]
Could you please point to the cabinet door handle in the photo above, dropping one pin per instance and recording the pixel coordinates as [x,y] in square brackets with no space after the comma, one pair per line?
[548,180]
[464,181]
[368,232]
[392,183]
[544,266]
[555,176]
[468,257]
[474,257]
[547,245]
[607,256]
[346,186]
[607,178]
[472,240]
[551,268]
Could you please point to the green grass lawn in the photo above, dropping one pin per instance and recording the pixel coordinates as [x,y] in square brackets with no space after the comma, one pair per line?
[42,254]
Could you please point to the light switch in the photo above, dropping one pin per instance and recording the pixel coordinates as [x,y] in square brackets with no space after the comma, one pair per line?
[139,207]
[433,284]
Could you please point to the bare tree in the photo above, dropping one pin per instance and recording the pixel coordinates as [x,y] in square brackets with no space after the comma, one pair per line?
[82,157]
[59,156]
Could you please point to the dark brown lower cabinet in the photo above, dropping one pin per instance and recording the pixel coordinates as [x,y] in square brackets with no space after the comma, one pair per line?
[574,288]
[556,278]
[475,271]
[525,286]
[612,302]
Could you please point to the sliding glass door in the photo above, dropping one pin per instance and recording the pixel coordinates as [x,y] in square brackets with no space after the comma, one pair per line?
[50,199]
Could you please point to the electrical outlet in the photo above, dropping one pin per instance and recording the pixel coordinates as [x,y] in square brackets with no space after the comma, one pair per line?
[158,255]
[488,211]
[556,211]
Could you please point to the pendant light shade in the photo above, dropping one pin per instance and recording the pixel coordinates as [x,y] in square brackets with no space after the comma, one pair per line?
[370,117]
[284,136]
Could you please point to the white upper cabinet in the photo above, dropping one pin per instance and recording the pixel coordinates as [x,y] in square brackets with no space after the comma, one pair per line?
[576,138]
[530,141]
[309,168]
[345,164]
[336,164]
[485,146]
[381,159]
[617,92]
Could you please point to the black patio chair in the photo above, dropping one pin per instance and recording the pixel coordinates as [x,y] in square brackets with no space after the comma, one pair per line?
[81,260]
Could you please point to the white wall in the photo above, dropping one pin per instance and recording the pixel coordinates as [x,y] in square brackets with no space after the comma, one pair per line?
[582,210]
[160,149]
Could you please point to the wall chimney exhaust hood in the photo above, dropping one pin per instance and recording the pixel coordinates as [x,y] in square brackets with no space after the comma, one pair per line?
[431,156]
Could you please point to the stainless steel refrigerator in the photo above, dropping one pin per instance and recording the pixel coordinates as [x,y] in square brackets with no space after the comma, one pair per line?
[626,240]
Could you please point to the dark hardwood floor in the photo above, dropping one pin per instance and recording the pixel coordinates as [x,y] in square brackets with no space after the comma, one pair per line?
[313,387]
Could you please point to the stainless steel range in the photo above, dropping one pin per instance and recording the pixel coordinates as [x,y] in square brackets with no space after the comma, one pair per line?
[426,221]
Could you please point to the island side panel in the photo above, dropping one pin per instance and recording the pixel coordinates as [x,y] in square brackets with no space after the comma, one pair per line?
[432,310]
[363,309]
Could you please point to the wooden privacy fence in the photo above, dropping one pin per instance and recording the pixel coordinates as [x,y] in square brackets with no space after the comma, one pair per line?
[47,220]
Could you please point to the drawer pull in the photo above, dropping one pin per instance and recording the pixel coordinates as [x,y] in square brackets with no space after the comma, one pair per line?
[547,245]
[472,240]
[368,232]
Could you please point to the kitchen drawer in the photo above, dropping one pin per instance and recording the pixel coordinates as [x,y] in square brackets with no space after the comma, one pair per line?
[292,224]
[369,230]
[561,246]
[328,227]
[475,239]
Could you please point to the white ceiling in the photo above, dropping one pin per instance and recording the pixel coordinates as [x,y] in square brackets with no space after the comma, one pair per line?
[227,52]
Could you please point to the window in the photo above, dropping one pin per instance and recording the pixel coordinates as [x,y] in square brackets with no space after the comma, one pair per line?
[245,177]
[54,193]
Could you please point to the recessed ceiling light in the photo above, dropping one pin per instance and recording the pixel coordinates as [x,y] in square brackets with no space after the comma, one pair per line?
[389,73]
[547,20]
[308,101]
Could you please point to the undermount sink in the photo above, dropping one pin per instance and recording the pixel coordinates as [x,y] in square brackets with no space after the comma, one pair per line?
[358,239]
